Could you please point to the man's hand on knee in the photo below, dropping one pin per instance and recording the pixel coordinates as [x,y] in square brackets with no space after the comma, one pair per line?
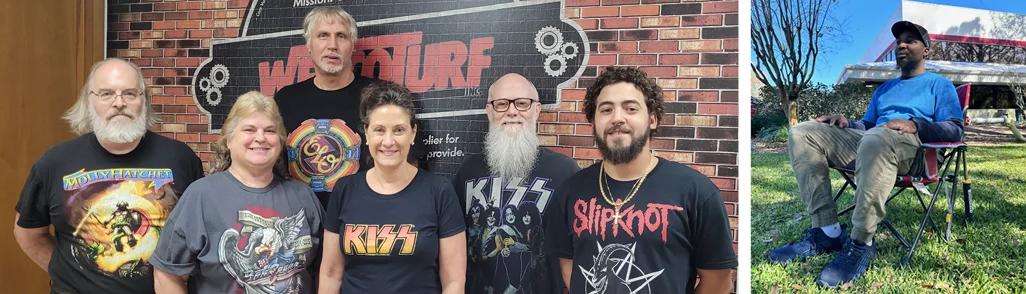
[834,119]
[903,126]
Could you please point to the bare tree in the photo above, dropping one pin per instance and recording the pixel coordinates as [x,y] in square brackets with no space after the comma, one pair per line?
[786,37]
[1018,88]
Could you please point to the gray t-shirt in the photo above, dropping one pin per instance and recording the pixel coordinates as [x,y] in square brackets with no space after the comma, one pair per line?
[230,238]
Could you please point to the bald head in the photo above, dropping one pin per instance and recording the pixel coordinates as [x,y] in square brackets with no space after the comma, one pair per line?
[116,74]
[512,86]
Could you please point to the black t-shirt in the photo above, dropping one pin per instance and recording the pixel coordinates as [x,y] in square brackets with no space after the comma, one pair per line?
[390,242]
[675,223]
[504,222]
[325,133]
[107,210]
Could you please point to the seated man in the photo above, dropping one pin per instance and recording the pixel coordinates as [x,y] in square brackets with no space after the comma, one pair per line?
[904,112]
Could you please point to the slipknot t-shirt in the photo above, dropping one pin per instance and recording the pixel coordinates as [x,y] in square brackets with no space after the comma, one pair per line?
[675,223]
[107,210]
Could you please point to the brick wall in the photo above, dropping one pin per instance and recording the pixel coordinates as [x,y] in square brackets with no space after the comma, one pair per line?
[689,47]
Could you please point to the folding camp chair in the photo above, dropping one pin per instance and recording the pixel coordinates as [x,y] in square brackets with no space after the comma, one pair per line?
[935,154]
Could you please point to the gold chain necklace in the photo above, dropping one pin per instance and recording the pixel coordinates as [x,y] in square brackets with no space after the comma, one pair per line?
[620,202]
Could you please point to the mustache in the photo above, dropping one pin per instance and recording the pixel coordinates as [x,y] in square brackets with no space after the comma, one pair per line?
[115,112]
[516,120]
[622,128]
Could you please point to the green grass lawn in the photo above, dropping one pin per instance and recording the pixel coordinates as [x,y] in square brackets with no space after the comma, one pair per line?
[987,256]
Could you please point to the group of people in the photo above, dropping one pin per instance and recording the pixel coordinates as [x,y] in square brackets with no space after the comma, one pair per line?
[320,189]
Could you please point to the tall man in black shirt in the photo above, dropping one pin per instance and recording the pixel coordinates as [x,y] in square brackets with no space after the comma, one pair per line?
[106,193]
[635,223]
[321,113]
[513,180]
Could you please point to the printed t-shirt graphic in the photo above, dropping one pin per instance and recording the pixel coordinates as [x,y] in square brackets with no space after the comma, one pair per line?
[674,223]
[118,215]
[321,151]
[504,225]
[265,253]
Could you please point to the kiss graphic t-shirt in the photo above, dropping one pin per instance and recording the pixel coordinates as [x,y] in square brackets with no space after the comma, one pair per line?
[504,225]
[326,139]
[390,242]
[230,238]
[675,223]
[107,210]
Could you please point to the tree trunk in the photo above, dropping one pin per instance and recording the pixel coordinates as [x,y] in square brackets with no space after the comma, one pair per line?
[792,112]
[789,107]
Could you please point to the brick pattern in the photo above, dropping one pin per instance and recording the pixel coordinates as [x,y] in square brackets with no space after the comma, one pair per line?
[168,40]
[689,47]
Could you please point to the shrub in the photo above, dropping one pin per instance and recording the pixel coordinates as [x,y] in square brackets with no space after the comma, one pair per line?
[774,133]
[761,121]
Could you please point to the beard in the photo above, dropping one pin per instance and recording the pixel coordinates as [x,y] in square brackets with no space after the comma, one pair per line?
[331,69]
[511,151]
[118,129]
[621,154]
[909,63]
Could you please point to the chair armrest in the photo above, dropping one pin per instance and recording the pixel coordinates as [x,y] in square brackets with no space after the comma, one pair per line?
[943,145]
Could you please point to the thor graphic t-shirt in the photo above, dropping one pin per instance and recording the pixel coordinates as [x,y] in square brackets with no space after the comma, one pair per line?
[107,210]
[674,224]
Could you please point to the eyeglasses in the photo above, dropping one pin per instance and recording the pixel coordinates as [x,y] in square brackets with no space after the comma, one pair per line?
[522,104]
[108,95]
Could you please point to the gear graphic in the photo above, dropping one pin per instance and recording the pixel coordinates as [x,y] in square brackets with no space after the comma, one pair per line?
[221,70]
[204,84]
[214,102]
[548,49]
[570,45]
[548,65]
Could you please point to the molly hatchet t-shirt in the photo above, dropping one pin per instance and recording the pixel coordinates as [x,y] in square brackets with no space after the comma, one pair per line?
[107,210]
[504,223]
[675,223]
[231,238]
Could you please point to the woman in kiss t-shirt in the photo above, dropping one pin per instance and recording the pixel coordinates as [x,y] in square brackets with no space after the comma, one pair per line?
[394,228]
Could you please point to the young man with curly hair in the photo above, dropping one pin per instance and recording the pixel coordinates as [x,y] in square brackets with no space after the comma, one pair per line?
[635,222]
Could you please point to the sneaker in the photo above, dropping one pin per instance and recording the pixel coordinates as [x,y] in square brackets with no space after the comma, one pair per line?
[849,265]
[815,242]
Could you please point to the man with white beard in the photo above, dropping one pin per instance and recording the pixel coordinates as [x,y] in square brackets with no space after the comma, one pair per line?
[107,193]
[504,193]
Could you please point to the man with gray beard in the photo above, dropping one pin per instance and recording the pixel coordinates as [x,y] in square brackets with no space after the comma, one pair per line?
[504,193]
[107,193]
[322,113]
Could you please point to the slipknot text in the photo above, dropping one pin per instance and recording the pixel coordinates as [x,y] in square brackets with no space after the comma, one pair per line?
[596,219]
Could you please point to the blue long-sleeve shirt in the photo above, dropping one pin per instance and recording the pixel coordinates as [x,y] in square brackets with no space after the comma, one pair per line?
[928,99]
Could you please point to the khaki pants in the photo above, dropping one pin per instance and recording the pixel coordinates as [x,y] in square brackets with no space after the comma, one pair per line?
[878,156]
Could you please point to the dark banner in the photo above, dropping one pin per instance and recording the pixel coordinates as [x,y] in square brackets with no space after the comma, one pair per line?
[446,52]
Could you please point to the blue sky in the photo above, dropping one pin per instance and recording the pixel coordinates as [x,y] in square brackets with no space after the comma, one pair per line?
[867,17]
